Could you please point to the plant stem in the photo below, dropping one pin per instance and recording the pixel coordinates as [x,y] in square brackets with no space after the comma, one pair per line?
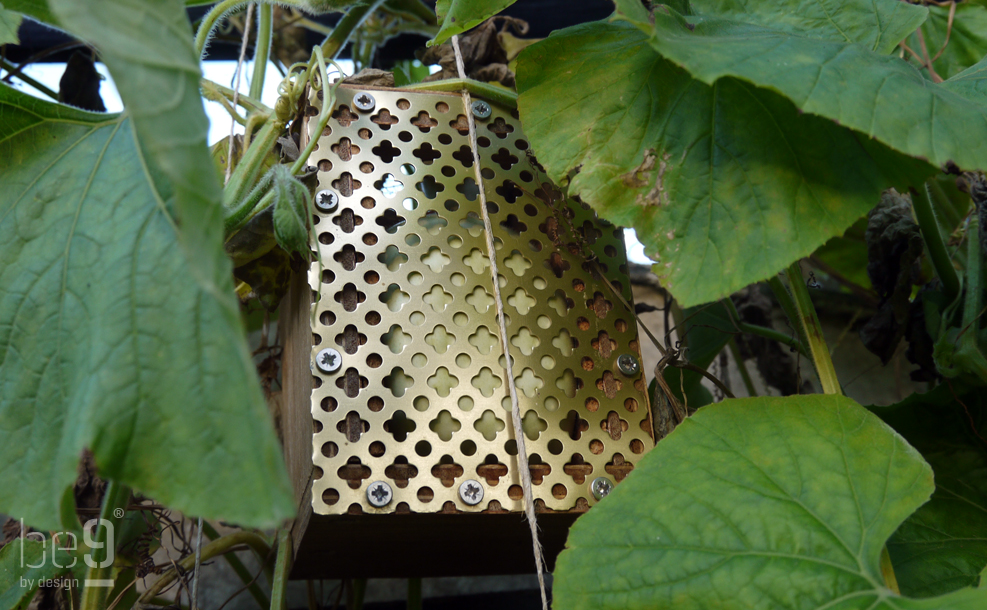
[409,8]
[414,594]
[212,90]
[115,501]
[9,67]
[742,367]
[942,203]
[251,165]
[929,226]
[210,19]
[809,322]
[787,305]
[282,568]
[241,570]
[763,331]
[358,588]
[214,548]
[265,28]
[497,95]
[328,99]
[353,19]
[887,571]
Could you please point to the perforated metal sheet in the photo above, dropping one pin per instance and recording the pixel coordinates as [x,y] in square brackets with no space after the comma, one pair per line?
[403,291]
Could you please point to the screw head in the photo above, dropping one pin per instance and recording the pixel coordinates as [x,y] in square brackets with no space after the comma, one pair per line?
[364,101]
[601,487]
[481,109]
[379,494]
[328,360]
[326,200]
[628,364]
[471,492]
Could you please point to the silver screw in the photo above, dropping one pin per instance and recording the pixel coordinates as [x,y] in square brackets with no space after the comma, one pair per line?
[628,364]
[364,101]
[481,109]
[326,200]
[328,360]
[471,492]
[379,494]
[601,487]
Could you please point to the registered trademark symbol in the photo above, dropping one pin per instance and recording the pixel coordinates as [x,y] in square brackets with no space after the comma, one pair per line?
[118,513]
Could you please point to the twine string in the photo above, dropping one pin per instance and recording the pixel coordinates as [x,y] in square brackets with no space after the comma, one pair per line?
[522,454]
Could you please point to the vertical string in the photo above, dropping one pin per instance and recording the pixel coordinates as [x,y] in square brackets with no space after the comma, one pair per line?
[522,454]
[236,92]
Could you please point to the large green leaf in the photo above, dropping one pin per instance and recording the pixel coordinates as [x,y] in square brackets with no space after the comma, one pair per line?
[25,564]
[879,95]
[970,83]
[457,16]
[725,184]
[877,24]
[119,330]
[755,503]
[967,38]
[9,24]
[38,9]
[943,546]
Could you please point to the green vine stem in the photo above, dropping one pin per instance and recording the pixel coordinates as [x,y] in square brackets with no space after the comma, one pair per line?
[742,367]
[211,18]
[353,19]
[282,568]
[328,101]
[763,331]
[926,217]
[115,501]
[414,594]
[251,164]
[358,590]
[887,571]
[215,92]
[241,570]
[809,322]
[942,203]
[217,547]
[491,93]
[411,9]
[265,29]
[788,306]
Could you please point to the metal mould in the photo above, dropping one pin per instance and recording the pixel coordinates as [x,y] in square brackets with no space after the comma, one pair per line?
[403,291]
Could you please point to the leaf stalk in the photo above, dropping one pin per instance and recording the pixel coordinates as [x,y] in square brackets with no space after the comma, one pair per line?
[115,501]
[926,218]
[809,322]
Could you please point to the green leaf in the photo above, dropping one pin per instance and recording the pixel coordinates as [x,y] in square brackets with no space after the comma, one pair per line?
[9,24]
[457,16]
[725,184]
[943,545]
[967,38]
[36,9]
[24,565]
[754,503]
[970,83]
[847,254]
[119,329]
[877,24]
[291,211]
[845,82]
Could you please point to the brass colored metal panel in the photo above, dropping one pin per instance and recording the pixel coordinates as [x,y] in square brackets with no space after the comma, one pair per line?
[403,292]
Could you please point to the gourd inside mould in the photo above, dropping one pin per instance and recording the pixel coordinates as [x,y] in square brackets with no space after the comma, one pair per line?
[390,437]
